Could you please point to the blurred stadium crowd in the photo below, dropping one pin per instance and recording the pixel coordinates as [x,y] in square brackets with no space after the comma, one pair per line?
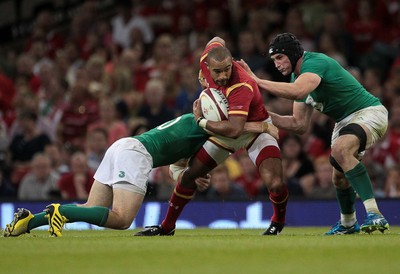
[67,93]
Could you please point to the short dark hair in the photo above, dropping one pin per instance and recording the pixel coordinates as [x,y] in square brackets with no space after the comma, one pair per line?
[219,54]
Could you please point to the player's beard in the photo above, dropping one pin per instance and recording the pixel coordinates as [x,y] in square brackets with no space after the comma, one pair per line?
[222,82]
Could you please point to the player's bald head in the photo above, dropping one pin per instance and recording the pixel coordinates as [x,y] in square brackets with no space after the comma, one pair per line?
[219,54]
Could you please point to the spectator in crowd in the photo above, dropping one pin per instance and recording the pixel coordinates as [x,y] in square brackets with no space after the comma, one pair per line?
[71,53]
[249,178]
[51,104]
[128,100]
[58,158]
[392,185]
[44,28]
[189,90]
[387,152]
[217,21]
[131,59]
[114,127]
[333,25]
[257,22]
[98,79]
[392,84]
[25,145]
[248,51]
[7,189]
[40,183]
[298,169]
[365,29]
[96,146]
[294,23]
[328,45]
[80,111]
[77,182]
[223,188]
[24,72]
[155,111]
[83,29]
[8,93]
[162,57]
[39,55]
[3,141]
[373,81]
[323,186]
[126,20]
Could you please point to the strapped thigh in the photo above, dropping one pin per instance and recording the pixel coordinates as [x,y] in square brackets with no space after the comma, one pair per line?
[357,130]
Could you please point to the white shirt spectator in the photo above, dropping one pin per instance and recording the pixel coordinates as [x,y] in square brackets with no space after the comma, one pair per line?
[122,31]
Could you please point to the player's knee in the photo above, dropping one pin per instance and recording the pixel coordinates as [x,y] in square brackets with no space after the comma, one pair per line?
[340,182]
[191,174]
[124,224]
[274,183]
[335,164]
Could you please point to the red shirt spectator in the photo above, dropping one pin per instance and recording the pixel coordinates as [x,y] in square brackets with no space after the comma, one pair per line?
[76,184]
[7,93]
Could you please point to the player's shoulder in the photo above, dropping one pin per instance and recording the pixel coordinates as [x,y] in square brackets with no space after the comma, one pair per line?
[241,78]
[312,57]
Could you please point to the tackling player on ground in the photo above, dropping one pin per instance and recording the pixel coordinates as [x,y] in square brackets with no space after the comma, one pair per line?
[120,182]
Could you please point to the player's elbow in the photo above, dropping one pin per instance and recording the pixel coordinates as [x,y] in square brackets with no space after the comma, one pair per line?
[300,129]
[297,96]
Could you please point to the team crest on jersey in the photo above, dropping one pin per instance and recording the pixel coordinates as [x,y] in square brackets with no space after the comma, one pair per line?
[310,101]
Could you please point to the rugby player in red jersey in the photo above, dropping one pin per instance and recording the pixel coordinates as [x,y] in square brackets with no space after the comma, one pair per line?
[220,71]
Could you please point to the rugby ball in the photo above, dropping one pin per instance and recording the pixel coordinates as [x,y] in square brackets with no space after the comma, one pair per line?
[214,105]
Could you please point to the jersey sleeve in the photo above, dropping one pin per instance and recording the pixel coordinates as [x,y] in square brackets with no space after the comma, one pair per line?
[318,68]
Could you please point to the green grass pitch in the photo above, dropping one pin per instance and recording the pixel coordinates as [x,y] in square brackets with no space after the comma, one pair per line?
[296,250]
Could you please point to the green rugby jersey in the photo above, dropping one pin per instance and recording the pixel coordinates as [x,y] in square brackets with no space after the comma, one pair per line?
[174,140]
[339,94]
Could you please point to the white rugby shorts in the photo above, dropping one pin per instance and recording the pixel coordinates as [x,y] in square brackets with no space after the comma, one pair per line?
[259,147]
[374,118]
[125,165]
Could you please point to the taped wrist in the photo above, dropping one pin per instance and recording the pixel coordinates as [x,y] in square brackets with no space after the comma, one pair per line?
[202,122]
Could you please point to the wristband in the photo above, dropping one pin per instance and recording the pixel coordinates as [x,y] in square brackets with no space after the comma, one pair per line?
[202,122]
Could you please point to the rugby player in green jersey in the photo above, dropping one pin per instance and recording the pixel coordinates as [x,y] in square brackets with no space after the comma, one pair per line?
[319,82]
[120,181]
